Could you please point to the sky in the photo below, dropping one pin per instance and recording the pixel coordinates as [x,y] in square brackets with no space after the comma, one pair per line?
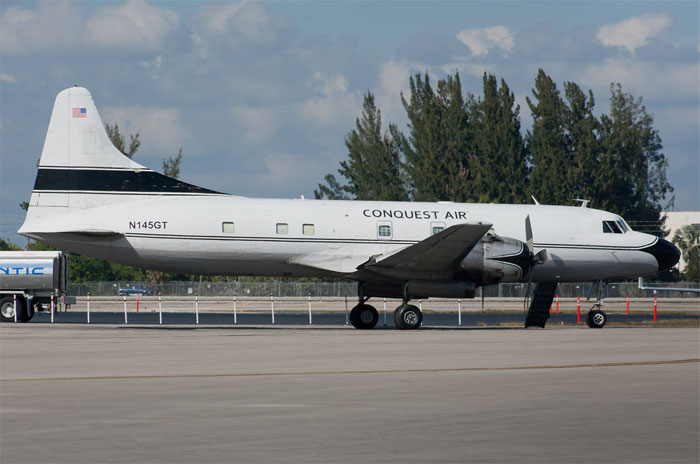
[260,95]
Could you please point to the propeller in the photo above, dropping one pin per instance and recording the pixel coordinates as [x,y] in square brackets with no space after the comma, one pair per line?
[535,259]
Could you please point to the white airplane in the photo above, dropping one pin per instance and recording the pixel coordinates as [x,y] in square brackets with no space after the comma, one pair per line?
[89,198]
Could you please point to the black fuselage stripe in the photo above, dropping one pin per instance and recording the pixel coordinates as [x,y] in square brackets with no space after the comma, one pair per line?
[113,181]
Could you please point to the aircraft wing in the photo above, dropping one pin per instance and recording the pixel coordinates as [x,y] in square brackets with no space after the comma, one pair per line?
[439,252]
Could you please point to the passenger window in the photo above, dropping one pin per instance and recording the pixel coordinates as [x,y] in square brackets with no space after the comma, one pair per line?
[384,231]
[308,229]
[436,227]
[282,228]
[228,227]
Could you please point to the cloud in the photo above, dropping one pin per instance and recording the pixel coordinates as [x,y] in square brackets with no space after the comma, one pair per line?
[59,27]
[331,102]
[481,41]
[259,123]
[161,129]
[8,78]
[678,81]
[134,25]
[50,27]
[634,32]
[244,27]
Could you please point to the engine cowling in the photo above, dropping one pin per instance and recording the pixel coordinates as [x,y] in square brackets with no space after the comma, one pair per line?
[497,259]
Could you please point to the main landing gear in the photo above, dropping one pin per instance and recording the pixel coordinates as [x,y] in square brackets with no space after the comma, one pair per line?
[596,318]
[365,316]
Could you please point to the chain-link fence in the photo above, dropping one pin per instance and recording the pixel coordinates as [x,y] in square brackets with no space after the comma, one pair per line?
[342,288]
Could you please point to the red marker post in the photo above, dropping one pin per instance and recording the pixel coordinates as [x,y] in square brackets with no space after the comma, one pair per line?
[578,309]
[137,303]
[557,303]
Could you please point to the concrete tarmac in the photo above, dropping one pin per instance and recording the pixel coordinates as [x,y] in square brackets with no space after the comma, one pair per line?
[89,394]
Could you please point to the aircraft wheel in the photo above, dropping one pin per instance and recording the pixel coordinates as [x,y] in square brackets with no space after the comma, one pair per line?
[596,319]
[408,317]
[364,316]
[7,310]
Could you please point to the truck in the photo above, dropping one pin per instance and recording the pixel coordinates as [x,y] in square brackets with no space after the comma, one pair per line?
[29,280]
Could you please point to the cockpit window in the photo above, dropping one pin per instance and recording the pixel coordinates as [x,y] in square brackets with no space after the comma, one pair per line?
[623,225]
[611,227]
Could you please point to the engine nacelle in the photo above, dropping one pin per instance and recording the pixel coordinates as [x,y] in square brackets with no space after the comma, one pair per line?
[497,259]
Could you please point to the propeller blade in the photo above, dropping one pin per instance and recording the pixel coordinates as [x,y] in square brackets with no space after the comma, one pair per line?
[528,234]
[540,257]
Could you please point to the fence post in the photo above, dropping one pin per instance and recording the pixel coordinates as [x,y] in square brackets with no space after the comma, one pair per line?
[578,309]
[88,307]
[272,307]
[52,308]
[627,311]
[384,312]
[160,308]
[137,303]
[196,307]
[459,312]
[654,305]
[126,319]
[235,316]
[14,301]
[347,316]
[309,308]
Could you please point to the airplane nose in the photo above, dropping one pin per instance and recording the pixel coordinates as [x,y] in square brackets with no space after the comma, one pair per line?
[665,252]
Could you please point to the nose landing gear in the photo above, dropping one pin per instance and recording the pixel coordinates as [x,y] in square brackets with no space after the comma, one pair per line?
[596,318]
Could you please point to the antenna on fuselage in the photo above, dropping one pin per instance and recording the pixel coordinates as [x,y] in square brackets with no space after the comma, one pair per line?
[584,203]
[534,199]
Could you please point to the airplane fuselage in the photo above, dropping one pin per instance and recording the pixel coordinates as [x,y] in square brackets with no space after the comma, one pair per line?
[222,234]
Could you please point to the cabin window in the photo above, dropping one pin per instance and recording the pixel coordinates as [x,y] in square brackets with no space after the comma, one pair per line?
[384,230]
[282,228]
[228,227]
[438,229]
[611,227]
[308,229]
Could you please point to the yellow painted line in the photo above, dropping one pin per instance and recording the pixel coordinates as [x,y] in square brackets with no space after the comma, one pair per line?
[357,372]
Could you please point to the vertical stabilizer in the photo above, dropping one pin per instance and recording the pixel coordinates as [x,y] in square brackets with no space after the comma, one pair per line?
[77,138]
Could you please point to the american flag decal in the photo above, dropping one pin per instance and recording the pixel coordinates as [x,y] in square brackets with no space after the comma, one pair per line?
[79,112]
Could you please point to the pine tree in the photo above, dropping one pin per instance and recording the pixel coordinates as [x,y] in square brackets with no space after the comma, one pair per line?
[438,148]
[502,158]
[548,143]
[118,140]
[583,144]
[632,180]
[171,166]
[373,168]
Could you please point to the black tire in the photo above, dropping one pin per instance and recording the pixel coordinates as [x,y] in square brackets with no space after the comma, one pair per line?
[596,319]
[7,311]
[364,317]
[408,317]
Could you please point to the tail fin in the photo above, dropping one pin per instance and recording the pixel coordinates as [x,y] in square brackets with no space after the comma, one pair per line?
[77,137]
[81,168]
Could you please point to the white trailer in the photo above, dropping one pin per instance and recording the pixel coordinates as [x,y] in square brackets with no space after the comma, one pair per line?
[28,280]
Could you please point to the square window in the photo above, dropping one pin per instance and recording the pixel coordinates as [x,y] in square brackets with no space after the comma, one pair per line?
[309,229]
[228,227]
[437,229]
[384,231]
[282,228]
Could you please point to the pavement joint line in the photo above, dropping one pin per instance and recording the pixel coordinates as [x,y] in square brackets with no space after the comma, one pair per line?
[359,372]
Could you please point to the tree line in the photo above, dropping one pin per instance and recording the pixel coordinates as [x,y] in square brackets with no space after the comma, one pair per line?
[463,148]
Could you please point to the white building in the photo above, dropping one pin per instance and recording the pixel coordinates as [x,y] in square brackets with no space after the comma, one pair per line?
[677,219]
